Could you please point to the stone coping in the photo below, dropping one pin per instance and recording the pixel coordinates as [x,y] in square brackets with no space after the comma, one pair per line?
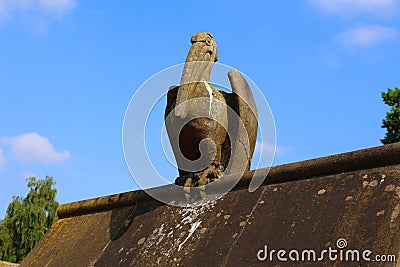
[339,163]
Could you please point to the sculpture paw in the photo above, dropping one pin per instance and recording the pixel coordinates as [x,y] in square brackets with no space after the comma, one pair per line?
[199,180]
[186,188]
[203,180]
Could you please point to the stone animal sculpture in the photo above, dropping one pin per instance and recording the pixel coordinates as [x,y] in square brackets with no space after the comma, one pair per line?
[197,119]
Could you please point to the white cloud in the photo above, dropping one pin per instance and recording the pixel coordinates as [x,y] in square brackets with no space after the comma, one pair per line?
[2,159]
[348,7]
[33,147]
[367,35]
[9,8]
[266,147]
[58,6]
[263,156]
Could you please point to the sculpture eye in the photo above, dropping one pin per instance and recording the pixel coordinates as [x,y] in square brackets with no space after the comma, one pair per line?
[208,41]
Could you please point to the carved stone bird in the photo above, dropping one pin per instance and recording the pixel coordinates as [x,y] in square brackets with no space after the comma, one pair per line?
[199,117]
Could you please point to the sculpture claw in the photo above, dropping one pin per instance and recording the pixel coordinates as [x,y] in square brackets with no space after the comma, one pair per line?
[186,188]
[202,192]
[199,180]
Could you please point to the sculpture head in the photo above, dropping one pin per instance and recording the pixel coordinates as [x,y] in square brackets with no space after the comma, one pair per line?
[198,65]
[204,48]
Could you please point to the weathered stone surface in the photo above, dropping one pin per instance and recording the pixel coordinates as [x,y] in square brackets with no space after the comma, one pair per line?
[303,205]
[200,115]
[8,264]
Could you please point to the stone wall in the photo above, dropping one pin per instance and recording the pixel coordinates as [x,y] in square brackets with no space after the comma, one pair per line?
[353,198]
[8,264]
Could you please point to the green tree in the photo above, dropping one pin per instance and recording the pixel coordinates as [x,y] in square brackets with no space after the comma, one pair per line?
[28,219]
[392,120]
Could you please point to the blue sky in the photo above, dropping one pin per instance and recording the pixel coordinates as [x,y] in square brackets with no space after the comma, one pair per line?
[69,68]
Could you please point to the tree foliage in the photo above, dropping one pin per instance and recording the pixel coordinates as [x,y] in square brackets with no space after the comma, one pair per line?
[28,219]
[392,120]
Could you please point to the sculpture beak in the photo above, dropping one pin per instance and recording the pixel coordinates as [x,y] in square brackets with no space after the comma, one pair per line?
[199,63]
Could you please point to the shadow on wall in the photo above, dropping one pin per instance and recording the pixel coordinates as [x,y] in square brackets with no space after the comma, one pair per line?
[122,218]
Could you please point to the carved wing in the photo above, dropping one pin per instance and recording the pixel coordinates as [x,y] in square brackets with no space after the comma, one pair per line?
[169,121]
[242,102]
